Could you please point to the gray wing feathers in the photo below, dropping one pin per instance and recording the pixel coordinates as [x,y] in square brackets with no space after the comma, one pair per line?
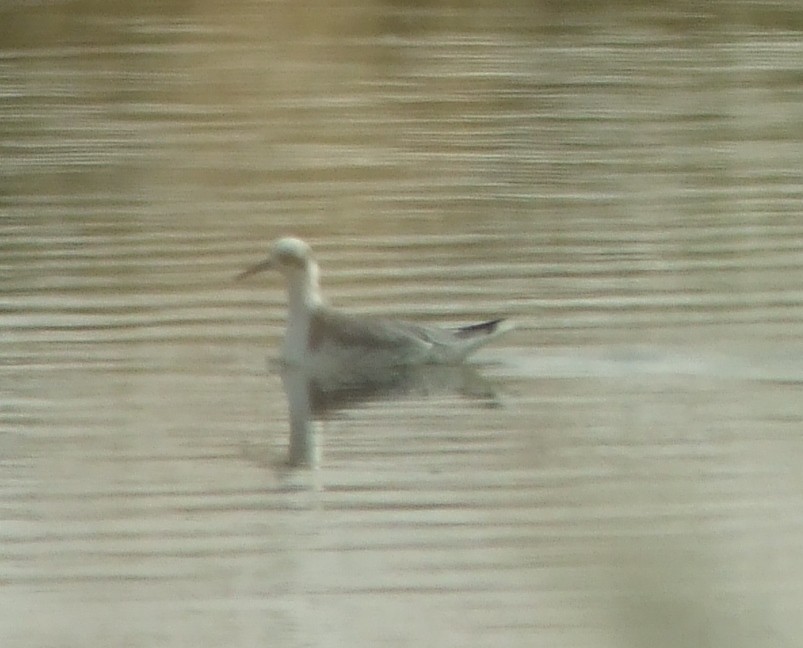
[400,341]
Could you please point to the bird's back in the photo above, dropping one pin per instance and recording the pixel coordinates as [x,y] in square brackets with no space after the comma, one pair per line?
[337,337]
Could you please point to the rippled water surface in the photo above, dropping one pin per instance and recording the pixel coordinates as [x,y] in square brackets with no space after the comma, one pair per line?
[624,469]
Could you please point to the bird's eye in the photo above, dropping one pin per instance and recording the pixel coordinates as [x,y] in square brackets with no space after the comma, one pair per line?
[288,258]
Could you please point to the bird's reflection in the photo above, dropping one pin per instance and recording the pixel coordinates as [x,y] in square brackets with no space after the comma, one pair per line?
[314,396]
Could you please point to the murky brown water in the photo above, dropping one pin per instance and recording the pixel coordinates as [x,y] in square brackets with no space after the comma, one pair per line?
[623,470]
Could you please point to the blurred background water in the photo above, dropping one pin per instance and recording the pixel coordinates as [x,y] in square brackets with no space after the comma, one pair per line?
[622,179]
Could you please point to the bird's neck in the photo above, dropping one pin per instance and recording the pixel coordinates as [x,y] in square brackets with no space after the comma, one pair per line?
[304,290]
[304,300]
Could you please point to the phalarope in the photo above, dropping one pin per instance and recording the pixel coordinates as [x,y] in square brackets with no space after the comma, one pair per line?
[318,334]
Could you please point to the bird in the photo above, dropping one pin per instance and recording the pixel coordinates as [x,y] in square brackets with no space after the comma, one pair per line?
[319,334]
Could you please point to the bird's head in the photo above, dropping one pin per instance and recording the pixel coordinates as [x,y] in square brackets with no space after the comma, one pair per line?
[288,255]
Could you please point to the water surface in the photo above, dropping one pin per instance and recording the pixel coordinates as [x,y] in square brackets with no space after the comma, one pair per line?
[624,182]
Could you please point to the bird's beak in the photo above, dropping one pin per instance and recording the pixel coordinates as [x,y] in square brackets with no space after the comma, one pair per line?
[267,264]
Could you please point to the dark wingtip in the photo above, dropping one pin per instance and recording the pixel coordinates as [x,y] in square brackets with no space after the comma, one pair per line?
[486,328]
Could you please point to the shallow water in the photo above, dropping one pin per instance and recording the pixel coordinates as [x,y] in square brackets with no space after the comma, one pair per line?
[622,470]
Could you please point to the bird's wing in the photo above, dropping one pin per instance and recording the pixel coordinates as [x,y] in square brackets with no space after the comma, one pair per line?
[396,341]
[399,341]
